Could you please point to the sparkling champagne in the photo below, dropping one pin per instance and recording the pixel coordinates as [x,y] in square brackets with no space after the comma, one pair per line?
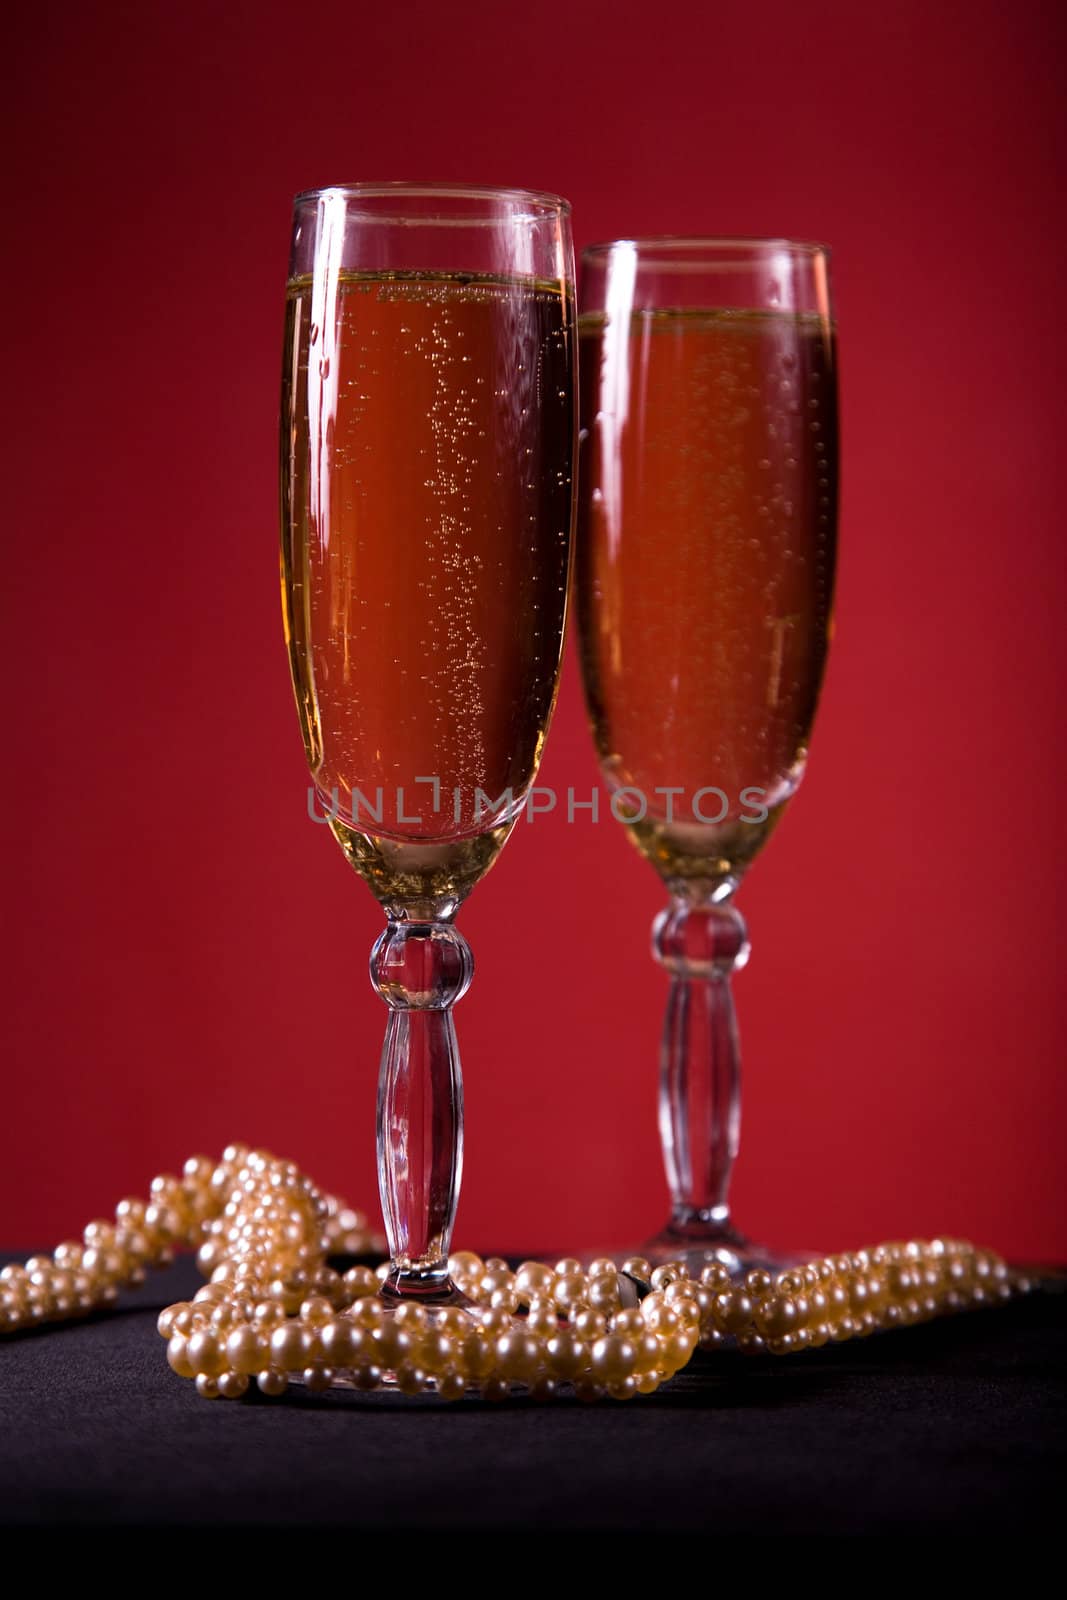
[707,529]
[427,439]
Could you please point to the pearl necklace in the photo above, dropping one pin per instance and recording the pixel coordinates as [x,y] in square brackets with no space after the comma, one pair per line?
[274,1311]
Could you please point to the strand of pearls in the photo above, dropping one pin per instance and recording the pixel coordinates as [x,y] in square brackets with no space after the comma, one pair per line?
[274,1311]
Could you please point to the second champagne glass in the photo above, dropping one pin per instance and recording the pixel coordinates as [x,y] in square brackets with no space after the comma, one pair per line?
[706,549]
[427,450]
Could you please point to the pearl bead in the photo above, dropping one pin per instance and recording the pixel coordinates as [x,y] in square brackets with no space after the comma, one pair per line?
[628,1323]
[327,1283]
[658,1315]
[603,1293]
[232,1385]
[360,1282]
[534,1278]
[288,1347]
[317,1379]
[411,1379]
[366,1375]
[460,1261]
[165,1321]
[205,1353]
[454,1320]
[715,1276]
[623,1388]
[542,1323]
[478,1354]
[734,1310]
[225,1316]
[343,1343]
[518,1355]
[178,1356]
[570,1288]
[611,1358]
[367,1313]
[646,1353]
[678,1347]
[247,1351]
[436,1351]
[314,1354]
[590,1324]
[680,1293]
[412,1318]
[451,1386]
[566,1354]
[391,1344]
[637,1267]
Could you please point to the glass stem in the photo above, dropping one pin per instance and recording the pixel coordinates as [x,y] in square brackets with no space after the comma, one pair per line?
[700,943]
[420,969]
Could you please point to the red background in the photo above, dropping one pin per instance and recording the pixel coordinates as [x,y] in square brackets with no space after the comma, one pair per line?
[185,955]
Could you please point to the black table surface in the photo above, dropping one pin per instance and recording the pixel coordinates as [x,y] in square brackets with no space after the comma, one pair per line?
[954,1425]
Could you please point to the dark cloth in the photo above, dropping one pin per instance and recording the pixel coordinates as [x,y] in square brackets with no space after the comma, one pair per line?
[952,1426]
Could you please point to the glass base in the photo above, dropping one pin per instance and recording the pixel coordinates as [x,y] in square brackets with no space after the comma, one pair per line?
[706,1244]
[339,1378]
[435,1295]
[389,1390]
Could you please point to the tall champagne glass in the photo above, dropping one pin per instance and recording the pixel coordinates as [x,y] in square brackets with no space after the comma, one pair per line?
[707,530]
[427,456]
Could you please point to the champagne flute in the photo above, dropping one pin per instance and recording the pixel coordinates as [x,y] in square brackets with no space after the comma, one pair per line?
[706,547]
[427,461]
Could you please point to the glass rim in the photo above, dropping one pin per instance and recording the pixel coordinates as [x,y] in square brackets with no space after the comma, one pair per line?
[679,246]
[542,200]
